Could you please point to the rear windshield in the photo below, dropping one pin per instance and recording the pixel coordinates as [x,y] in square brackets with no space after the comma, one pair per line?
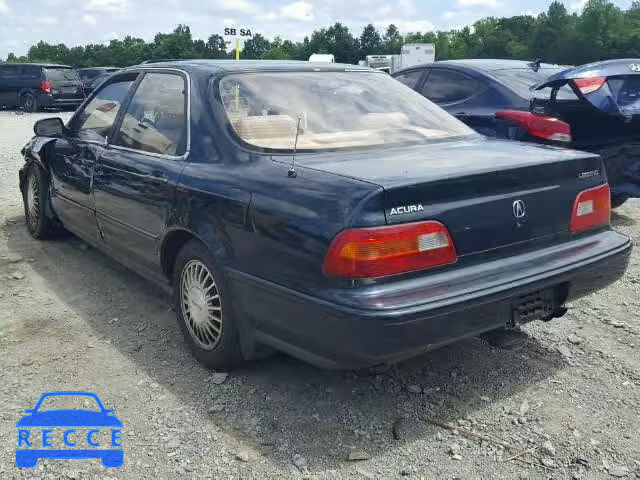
[54,74]
[522,79]
[626,91]
[334,110]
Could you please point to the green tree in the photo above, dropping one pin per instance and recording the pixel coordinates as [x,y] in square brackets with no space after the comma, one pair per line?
[370,41]
[256,47]
[392,40]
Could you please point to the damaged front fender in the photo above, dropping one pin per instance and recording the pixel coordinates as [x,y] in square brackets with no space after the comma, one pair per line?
[34,151]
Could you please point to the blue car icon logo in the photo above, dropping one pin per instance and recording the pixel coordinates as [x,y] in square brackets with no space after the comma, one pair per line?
[69,433]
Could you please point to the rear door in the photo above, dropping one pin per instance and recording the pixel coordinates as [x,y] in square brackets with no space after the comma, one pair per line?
[136,177]
[65,83]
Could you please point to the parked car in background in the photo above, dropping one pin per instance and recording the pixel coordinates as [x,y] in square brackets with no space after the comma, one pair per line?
[594,107]
[91,85]
[88,74]
[322,210]
[35,86]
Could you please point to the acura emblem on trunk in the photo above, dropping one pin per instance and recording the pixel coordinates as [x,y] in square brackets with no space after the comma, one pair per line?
[519,209]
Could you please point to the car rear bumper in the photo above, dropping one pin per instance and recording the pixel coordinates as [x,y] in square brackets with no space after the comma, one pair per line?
[371,325]
[50,101]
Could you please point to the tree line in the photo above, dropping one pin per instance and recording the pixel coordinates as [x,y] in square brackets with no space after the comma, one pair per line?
[600,31]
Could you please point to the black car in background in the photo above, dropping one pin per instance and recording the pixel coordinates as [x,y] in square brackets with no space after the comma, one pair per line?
[35,86]
[88,75]
[322,210]
[91,85]
[594,107]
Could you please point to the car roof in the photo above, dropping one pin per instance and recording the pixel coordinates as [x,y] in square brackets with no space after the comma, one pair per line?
[484,64]
[230,66]
[46,65]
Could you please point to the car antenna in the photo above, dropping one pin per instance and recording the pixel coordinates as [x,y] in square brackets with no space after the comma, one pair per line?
[535,65]
[292,170]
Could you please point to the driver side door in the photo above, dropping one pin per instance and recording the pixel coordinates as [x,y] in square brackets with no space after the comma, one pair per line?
[75,155]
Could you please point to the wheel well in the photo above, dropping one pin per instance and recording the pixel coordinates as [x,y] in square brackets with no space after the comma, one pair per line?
[173,242]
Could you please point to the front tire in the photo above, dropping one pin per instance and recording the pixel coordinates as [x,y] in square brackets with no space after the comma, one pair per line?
[29,103]
[204,307]
[35,196]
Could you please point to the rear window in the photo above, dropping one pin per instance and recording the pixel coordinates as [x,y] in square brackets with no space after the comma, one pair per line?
[57,74]
[334,110]
[522,79]
[626,91]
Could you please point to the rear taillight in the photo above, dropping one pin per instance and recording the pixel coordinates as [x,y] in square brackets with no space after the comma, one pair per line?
[589,85]
[591,209]
[541,126]
[45,86]
[380,251]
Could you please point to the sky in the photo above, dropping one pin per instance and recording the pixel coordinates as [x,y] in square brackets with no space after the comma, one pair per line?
[78,22]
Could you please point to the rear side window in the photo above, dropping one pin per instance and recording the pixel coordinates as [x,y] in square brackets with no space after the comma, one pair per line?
[61,74]
[626,91]
[410,79]
[448,86]
[522,79]
[156,120]
[31,72]
[95,121]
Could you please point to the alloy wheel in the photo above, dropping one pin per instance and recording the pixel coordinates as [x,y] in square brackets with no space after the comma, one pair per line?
[33,201]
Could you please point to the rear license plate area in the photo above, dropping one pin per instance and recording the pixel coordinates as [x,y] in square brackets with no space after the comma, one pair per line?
[533,306]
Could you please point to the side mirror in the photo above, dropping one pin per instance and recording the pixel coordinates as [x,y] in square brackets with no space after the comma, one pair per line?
[49,127]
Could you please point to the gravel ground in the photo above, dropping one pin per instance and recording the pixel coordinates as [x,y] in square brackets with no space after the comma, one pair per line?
[568,403]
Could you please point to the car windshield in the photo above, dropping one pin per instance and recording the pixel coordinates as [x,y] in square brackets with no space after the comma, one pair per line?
[54,74]
[69,402]
[335,110]
[522,79]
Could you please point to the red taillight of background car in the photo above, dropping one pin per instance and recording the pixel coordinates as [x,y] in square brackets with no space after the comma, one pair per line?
[591,209]
[45,86]
[589,85]
[380,251]
[541,126]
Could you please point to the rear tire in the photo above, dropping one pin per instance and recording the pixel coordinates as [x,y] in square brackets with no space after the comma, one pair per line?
[35,196]
[618,200]
[29,103]
[204,307]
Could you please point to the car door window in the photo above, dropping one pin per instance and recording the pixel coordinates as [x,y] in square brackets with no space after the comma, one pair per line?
[448,86]
[155,120]
[95,121]
[410,79]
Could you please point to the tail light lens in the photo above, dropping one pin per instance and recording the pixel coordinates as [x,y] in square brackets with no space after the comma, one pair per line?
[380,251]
[541,126]
[589,85]
[45,86]
[591,209]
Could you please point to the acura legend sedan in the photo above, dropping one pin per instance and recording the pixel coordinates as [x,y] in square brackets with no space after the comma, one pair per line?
[323,210]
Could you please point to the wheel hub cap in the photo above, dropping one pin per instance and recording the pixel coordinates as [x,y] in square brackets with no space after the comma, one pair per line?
[201,305]
[33,199]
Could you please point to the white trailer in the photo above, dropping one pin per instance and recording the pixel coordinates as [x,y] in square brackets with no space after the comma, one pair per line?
[322,58]
[417,54]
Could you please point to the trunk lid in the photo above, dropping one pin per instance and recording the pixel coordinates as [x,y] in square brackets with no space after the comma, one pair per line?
[619,94]
[488,193]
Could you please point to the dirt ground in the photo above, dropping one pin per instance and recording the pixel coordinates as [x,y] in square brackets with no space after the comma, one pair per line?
[568,403]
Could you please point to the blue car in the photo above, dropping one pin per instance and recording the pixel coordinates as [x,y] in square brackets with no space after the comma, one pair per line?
[41,431]
[594,107]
